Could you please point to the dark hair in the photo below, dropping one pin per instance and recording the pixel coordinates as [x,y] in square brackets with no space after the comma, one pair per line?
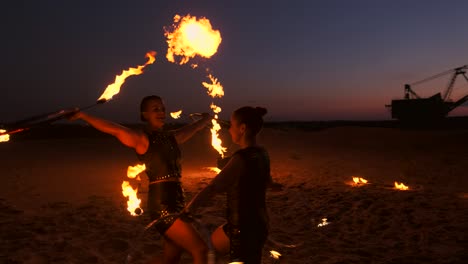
[252,117]
[144,104]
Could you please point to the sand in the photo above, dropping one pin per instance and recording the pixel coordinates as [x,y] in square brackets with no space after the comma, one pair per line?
[61,201]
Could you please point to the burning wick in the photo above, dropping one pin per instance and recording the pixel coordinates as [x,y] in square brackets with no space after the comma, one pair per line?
[401,186]
[138,211]
[324,223]
[133,203]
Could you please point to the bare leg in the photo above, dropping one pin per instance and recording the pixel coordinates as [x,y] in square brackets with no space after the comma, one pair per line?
[183,235]
[220,241]
[171,252]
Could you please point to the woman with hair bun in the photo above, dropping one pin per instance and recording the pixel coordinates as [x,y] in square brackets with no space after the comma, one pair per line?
[245,179]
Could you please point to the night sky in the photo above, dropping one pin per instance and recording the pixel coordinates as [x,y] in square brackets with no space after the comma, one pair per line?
[303,60]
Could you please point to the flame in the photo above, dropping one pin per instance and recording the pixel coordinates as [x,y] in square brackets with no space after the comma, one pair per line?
[216,109]
[215,140]
[133,203]
[133,171]
[191,37]
[176,115]
[359,180]
[5,137]
[275,254]
[401,186]
[215,89]
[114,88]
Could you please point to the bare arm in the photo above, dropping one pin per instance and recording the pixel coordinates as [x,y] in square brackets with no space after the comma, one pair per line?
[186,132]
[219,184]
[129,137]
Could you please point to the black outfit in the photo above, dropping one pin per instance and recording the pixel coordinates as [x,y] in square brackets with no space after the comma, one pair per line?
[163,168]
[247,226]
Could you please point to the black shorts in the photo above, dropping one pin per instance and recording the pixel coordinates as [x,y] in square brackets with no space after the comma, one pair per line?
[246,244]
[165,200]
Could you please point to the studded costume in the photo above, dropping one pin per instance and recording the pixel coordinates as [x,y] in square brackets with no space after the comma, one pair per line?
[163,168]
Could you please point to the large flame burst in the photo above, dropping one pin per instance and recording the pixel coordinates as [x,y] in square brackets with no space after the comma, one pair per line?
[114,88]
[190,37]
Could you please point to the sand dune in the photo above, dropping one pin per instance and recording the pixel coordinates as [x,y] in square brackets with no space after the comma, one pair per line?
[61,198]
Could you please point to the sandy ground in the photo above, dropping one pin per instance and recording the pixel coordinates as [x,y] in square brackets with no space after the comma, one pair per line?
[61,201]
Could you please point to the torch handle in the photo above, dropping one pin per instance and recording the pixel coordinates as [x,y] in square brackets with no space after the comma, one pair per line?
[28,123]
[14,131]
[101,101]
[221,121]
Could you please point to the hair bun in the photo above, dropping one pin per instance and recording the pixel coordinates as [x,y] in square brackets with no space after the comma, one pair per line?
[261,110]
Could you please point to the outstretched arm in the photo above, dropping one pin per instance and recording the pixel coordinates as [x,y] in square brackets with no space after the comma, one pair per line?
[129,137]
[186,132]
[219,184]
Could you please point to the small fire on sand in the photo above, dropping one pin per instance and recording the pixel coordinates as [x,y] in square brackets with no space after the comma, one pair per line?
[401,186]
[275,254]
[358,181]
[323,223]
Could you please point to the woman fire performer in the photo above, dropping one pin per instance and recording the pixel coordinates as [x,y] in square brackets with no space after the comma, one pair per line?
[245,179]
[159,150]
